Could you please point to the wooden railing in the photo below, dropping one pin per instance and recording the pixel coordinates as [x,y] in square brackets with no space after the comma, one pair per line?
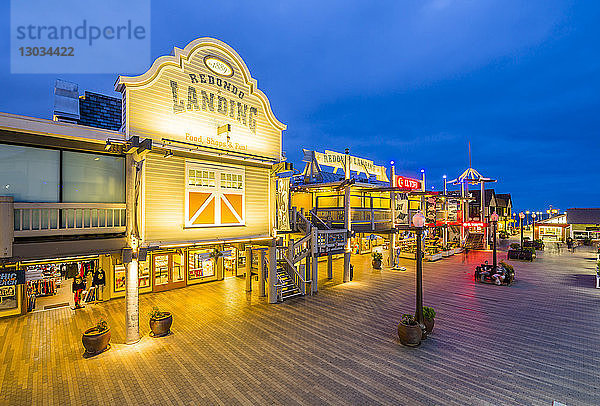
[48,219]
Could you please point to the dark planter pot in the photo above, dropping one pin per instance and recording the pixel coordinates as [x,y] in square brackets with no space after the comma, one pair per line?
[429,325]
[161,326]
[376,263]
[410,335]
[513,254]
[95,342]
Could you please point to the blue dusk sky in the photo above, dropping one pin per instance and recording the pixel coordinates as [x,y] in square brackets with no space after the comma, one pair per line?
[410,81]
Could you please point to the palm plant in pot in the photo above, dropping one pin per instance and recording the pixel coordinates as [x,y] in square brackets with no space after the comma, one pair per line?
[376,257]
[409,331]
[96,339]
[428,318]
[160,322]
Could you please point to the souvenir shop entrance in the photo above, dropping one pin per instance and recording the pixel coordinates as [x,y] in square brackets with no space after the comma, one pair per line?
[66,282]
[176,268]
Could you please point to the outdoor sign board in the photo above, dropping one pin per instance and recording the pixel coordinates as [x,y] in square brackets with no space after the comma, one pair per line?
[283,204]
[336,161]
[185,97]
[403,182]
[11,278]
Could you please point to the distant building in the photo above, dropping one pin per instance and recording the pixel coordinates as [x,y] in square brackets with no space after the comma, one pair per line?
[551,229]
[583,223]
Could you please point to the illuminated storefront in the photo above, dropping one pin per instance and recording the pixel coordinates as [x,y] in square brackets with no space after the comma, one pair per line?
[206,185]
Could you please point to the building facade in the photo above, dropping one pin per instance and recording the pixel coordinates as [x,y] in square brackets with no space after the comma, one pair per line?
[188,173]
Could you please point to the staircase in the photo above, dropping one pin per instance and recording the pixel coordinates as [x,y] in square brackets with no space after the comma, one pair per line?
[474,241]
[288,288]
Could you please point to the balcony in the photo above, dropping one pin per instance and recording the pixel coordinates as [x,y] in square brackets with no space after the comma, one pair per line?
[54,219]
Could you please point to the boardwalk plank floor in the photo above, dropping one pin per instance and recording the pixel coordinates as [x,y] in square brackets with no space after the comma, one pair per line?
[535,342]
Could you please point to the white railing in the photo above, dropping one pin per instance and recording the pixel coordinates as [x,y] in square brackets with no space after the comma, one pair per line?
[45,219]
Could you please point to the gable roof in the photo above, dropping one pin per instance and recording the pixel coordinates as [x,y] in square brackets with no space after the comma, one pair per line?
[583,216]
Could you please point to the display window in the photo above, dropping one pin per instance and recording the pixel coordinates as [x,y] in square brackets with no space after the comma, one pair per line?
[200,265]
[8,290]
[119,278]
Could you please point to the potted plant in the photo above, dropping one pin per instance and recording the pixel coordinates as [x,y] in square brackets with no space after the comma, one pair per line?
[428,318]
[510,271]
[96,339]
[503,235]
[515,251]
[160,322]
[409,331]
[377,257]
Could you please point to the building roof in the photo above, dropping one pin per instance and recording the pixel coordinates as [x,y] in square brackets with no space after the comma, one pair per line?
[583,216]
[503,200]
[489,197]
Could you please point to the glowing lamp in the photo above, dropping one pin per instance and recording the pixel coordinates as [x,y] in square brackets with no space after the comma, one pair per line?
[392,163]
[418,220]
[521,215]
[422,170]
[494,217]
[533,215]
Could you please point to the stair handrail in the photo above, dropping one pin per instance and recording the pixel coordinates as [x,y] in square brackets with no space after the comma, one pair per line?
[299,281]
[304,221]
[317,219]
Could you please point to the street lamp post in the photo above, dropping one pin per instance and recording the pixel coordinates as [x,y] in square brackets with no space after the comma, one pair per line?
[494,220]
[521,216]
[533,226]
[418,221]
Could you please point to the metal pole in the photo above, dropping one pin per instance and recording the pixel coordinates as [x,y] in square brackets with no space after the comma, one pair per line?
[393,214]
[419,310]
[494,225]
[521,232]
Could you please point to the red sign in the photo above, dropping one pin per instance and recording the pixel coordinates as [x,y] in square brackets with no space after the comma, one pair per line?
[407,183]
[474,224]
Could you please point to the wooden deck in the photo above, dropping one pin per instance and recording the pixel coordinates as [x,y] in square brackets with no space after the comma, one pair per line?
[532,343]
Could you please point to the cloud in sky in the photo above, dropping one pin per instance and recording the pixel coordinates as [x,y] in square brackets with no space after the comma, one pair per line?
[407,80]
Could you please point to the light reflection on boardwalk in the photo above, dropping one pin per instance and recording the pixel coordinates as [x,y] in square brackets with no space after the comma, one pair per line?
[531,343]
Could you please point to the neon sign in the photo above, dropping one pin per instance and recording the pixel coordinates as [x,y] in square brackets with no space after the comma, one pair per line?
[407,183]
[474,224]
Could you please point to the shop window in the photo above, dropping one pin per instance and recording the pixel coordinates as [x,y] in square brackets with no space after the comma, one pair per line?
[29,174]
[119,285]
[214,195]
[93,178]
[200,265]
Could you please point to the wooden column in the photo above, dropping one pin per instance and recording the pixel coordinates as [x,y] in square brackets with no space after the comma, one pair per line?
[272,272]
[261,273]
[132,318]
[329,266]
[347,219]
[248,269]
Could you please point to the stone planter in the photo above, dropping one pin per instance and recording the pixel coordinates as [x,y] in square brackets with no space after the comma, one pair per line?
[447,253]
[161,325]
[434,257]
[429,323]
[458,250]
[376,264]
[95,341]
[410,335]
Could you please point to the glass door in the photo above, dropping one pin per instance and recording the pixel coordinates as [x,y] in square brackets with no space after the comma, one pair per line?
[168,271]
